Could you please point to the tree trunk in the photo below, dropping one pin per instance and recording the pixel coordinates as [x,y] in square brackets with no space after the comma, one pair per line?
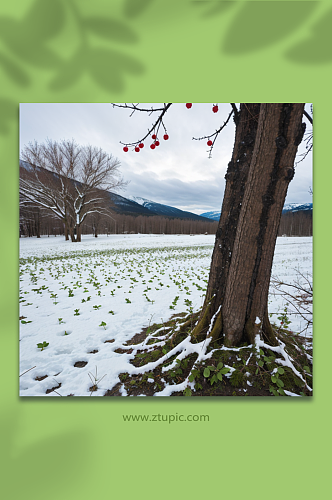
[241,266]
[78,233]
[66,224]
[37,224]
[236,178]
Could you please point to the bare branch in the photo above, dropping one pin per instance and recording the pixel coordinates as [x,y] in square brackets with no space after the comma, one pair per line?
[156,125]
[309,118]
[215,134]
[236,111]
[299,295]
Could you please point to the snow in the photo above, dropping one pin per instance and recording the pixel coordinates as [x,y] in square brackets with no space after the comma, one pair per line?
[139,200]
[96,295]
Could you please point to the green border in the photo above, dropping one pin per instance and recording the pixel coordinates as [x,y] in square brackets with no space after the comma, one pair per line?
[153,51]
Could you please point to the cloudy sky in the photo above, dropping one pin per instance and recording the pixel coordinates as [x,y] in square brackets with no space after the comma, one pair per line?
[178,173]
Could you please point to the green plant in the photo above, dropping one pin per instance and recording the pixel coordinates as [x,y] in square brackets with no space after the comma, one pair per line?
[174,302]
[218,372]
[42,345]
[103,324]
[279,383]
[76,312]
[60,321]
[283,318]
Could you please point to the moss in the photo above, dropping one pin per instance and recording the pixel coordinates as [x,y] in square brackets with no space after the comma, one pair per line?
[237,379]
[217,328]
[203,323]
[250,331]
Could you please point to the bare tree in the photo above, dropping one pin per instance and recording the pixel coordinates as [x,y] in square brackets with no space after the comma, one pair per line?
[68,180]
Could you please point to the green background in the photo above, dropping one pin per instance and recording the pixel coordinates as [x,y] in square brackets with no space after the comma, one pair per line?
[153,51]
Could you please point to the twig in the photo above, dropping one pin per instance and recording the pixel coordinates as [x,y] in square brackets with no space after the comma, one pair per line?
[27,371]
[215,134]
[155,127]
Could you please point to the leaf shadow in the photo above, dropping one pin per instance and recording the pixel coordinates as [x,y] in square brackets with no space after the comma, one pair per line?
[26,46]
[258,24]
[9,112]
[134,8]
[212,7]
[52,456]
[27,39]
[316,49]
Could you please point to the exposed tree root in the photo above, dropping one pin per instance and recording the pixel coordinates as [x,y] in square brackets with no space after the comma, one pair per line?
[171,361]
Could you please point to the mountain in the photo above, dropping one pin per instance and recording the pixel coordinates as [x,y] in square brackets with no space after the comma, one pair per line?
[165,210]
[125,206]
[214,215]
[296,207]
[288,207]
[136,205]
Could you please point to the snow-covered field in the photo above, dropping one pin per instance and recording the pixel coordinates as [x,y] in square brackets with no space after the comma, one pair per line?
[85,300]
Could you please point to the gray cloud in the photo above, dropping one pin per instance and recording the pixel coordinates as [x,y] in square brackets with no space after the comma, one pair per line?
[178,172]
[198,196]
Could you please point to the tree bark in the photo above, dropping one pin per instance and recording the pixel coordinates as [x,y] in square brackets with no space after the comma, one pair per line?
[236,178]
[255,192]
[272,168]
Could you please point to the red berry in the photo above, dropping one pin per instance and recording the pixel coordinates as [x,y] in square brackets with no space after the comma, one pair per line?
[188,105]
[137,149]
[215,109]
[154,136]
[165,137]
[141,145]
[209,143]
[125,149]
[157,143]
[152,146]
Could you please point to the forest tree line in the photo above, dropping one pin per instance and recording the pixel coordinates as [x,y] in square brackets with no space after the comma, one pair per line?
[36,222]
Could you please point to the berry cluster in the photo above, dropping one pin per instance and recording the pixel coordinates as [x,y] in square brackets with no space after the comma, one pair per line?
[152,146]
[156,142]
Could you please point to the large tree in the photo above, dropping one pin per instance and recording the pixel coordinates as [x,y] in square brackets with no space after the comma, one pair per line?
[262,165]
[68,180]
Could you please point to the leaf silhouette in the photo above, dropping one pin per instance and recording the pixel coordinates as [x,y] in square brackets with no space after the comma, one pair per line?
[8,113]
[30,49]
[69,72]
[214,7]
[111,29]
[108,67]
[260,24]
[317,48]
[44,20]
[133,8]
[17,74]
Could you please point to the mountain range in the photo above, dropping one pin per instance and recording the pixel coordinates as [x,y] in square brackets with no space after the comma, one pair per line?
[288,207]
[135,205]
